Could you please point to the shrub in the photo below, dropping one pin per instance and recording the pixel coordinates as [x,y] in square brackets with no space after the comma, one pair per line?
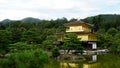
[25,59]
[55,52]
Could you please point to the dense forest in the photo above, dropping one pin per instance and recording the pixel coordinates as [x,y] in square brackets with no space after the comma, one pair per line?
[108,29]
[104,22]
[31,33]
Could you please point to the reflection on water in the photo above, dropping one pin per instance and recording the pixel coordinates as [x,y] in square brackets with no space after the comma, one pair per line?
[76,65]
[68,65]
[94,58]
[90,65]
[91,58]
[89,61]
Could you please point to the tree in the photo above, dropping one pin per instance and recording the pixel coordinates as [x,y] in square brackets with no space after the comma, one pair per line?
[105,40]
[55,52]
[20,46]
[30,37]
[112,31]
[16,35]
[115,46]
[73,19]
[71,42]
[101,31]
[47,44]
[5,40]
[117,36]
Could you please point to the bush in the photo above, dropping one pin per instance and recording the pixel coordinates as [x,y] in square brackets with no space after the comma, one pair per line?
[55,52]
[25,59]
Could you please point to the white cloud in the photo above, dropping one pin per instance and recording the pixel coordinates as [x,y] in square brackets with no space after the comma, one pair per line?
[52,9]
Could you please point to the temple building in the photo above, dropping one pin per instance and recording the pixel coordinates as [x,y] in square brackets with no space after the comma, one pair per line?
[83,31]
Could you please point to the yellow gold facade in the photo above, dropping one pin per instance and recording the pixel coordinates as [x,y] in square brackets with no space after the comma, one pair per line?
[83,31]
[79,28]
[87,37]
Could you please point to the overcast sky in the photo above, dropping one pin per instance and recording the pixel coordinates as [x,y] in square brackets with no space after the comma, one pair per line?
[52,9]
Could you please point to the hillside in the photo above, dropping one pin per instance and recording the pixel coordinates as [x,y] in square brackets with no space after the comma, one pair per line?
[6,21]
[104,21]
[27,19]
[30,19]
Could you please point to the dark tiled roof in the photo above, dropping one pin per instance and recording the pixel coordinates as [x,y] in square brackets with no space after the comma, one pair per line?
[80,32]
[57,43]
[76,33]
[60,33]
[77,23]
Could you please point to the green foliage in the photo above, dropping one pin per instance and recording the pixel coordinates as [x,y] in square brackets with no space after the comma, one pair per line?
[73,19]
[31,37]
[71,42]
[117,36]
[115,47]
[47,44]
[112,31]
[104,21]
[79,49]
[105,40]
[101,31]
[52,37]
[16,35]
[110,40]
[25,59]
[55,52]
[5,40]
[21,46]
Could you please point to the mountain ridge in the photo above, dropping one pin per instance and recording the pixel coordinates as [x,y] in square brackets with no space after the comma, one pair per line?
[27,19]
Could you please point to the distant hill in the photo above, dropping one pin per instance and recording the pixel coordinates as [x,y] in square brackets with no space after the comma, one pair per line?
[6,21]
[104,21]
[28,19]
[103,17]
[31,20]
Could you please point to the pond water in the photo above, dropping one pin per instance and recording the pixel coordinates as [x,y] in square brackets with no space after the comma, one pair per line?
[89,61]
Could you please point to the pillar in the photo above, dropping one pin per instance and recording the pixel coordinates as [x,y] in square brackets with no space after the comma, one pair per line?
[94,45]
